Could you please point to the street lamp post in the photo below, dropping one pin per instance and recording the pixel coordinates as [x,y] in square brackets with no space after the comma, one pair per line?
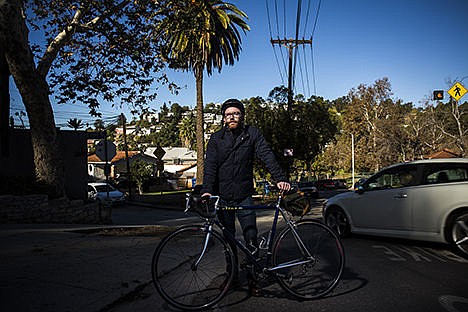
[352,158]
[352,155]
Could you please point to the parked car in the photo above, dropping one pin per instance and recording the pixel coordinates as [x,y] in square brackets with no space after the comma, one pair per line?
[331,184]
[340,184]
[308,188]
[325,184]
[423,200]
[98,191]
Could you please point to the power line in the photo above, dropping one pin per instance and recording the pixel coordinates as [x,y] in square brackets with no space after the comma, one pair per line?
[271,36]
[316,17]
[313,69]
[303,13]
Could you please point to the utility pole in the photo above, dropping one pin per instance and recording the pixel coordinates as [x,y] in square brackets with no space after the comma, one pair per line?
[291,44]
[127,161]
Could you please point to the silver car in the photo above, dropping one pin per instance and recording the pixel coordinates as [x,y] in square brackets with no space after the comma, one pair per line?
[423,200]
[102,192]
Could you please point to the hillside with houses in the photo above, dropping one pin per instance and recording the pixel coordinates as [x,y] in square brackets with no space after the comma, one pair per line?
[164,140]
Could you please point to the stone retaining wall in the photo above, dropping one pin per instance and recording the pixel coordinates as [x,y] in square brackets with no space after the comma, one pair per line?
[39,209]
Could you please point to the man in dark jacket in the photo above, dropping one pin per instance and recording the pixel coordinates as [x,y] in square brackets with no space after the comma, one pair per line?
[228,171]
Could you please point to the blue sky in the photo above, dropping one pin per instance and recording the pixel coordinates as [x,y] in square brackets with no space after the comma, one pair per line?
[418,45]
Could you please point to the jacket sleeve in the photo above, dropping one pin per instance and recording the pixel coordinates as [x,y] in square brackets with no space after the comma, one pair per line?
[210,167]
[265,154]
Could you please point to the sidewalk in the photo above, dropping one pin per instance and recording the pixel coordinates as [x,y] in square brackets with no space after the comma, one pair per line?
[55,267]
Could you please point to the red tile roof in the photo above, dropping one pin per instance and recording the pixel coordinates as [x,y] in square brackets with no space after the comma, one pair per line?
[118,156]
[445,153]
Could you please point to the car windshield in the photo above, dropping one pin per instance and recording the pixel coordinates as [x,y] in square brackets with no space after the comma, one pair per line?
[104,188]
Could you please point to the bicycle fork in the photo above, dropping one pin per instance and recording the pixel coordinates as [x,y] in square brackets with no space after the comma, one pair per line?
[205,245]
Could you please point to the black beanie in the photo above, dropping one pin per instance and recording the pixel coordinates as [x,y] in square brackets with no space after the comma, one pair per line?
[232,103]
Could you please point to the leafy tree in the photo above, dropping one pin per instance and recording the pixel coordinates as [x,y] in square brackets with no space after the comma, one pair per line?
[449,123]
[176,111]
[307,129]
[200,35]
[92,51]
[99,125]
[169,134]
[141,172]
[313,127]
[369,107]
[211,108]
[75,123]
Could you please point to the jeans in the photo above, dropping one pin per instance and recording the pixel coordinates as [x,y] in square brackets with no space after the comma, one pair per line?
[247,220]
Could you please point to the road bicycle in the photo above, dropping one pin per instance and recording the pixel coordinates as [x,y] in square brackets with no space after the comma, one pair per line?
[193,267]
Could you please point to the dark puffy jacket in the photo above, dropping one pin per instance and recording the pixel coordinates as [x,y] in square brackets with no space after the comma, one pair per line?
[229,163]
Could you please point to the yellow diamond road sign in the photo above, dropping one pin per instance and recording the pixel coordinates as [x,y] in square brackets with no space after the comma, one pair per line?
[457,91]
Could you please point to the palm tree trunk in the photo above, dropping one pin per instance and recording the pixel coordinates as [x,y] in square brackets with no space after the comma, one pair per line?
[199,127]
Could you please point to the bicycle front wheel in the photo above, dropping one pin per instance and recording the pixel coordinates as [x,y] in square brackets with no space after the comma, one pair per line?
[186,280]
[317,270]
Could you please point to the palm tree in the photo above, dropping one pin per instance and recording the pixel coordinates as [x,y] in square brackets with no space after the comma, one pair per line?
[200,35]
[187,132]
[75,123]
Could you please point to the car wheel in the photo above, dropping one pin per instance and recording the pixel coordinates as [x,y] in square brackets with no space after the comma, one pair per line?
[338,221]
[459,232]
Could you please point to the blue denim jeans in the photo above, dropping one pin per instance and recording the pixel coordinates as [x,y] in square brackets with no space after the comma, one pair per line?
[247,220]
[248,223]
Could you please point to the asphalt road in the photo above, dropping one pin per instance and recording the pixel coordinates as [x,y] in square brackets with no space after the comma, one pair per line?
[88,268]
[385,275]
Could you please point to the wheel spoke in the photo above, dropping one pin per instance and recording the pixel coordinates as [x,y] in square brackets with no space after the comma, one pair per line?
[463,225]
[176,280]
[308,281]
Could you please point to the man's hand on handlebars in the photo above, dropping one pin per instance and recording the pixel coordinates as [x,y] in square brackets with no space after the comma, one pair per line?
[206,196]
[283,186]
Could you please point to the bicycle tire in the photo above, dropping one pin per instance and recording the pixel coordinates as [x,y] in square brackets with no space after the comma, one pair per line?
[316,279]
[172,268]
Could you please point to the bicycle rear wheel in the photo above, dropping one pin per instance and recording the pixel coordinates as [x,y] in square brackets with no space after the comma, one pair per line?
[317,277]
[177,279]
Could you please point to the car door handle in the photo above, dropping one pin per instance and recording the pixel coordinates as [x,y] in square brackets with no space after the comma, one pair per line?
[400,195]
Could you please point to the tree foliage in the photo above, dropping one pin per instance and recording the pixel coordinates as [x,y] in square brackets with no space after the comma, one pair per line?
[96,51]
[306,129]
[199,36]
[387,131]
[187,132]
[87,51]
[75,123]
[141,172]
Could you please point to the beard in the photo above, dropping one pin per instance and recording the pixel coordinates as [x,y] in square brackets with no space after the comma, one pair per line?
[233,124]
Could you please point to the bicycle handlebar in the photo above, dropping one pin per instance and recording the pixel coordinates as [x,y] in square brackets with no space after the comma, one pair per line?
[208,205]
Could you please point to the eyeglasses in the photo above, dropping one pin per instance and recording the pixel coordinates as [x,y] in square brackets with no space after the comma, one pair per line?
[231,115]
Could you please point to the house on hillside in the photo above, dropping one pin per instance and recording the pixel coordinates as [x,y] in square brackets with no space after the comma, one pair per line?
[175,155]
[445,153]
[180,165]
[118,164]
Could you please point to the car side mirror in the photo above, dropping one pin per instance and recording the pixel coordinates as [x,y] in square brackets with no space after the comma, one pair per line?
[360,190]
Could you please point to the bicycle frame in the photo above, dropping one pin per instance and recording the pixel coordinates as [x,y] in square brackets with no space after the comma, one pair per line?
[208,226]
